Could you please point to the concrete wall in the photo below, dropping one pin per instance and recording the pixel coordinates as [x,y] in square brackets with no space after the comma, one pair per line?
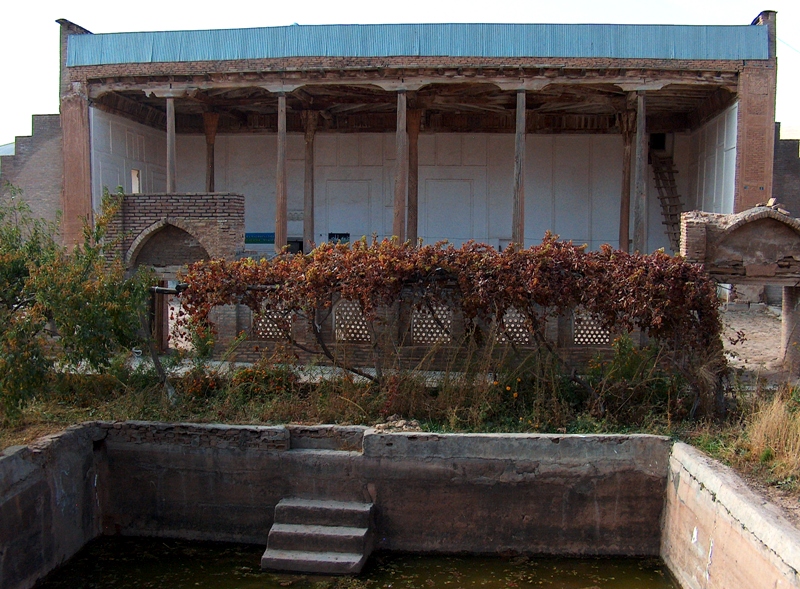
[575,495]
[49,503]
[120,145]
[573,184]
[718,534]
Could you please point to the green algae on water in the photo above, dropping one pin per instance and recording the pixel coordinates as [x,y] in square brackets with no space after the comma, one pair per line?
[158,563]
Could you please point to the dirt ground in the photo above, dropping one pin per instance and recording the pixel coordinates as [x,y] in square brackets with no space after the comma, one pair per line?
[759,354]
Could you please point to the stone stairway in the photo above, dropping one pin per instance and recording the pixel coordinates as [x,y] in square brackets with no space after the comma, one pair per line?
[309,536]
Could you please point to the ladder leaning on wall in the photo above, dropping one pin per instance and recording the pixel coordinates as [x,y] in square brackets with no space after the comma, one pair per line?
[671,205]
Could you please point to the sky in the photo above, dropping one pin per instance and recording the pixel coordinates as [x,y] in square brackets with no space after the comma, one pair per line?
[29,56]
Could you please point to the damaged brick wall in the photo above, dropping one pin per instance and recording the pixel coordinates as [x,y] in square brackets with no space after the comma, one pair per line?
[37,167]
[786,172]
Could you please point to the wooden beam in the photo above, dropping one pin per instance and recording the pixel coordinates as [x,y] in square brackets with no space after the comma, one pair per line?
[518,215]
[172,176]
[117,77]
[310,121]
[401,170]
[640,192]
[210,122]
[414,121]
[628,128]
[281,203]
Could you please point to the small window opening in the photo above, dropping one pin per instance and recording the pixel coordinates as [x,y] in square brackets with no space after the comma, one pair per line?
[136,184]
[658,141]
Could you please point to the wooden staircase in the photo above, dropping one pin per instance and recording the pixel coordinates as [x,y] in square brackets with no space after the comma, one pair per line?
[671,205]
[329,537]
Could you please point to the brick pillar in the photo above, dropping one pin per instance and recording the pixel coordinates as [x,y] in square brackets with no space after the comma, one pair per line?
[76,197]
[755,136]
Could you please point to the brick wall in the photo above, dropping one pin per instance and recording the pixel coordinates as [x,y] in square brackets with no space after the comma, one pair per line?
[215,220]
[786,172]
[36,167]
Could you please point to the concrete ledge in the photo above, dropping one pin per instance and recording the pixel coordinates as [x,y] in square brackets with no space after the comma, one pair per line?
[198,435]
[646,452]
[326,437]
[720,534]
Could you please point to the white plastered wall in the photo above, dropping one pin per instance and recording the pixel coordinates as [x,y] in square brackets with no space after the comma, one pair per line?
[712,169]
[119,145]
[573,184]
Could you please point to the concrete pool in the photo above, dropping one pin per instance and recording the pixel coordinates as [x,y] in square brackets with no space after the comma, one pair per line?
[436,494]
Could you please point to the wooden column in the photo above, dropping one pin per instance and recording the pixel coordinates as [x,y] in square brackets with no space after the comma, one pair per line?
[518,219]
[790,329]
[401,171]
[627,124]
[172,176]
[210,122]
[281,204]
[414,121]
[76,195]
[640,170]
[310,120]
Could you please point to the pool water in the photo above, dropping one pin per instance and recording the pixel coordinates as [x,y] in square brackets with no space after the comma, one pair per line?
[121,563]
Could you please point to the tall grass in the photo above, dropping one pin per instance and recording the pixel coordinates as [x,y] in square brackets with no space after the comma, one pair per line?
[773,434]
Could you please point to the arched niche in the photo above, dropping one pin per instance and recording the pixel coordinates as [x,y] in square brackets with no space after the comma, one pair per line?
[168,248]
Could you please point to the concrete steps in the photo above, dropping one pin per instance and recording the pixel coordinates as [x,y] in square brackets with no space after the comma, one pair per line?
[308,536]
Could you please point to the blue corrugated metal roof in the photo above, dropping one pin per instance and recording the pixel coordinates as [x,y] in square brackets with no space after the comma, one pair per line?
[455,40]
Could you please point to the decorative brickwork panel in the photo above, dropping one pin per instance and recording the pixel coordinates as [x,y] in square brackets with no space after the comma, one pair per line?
[432,328]
[514,329]
[271,325]
[349,323]
[587,331]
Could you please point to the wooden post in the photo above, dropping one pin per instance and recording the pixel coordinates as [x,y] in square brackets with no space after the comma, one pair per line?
[627,122]
[210,122]
[640,204]
[401,172]
[281,204]
[414,121]
[310,120]
[518,219]
[172,177]
[790,329]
